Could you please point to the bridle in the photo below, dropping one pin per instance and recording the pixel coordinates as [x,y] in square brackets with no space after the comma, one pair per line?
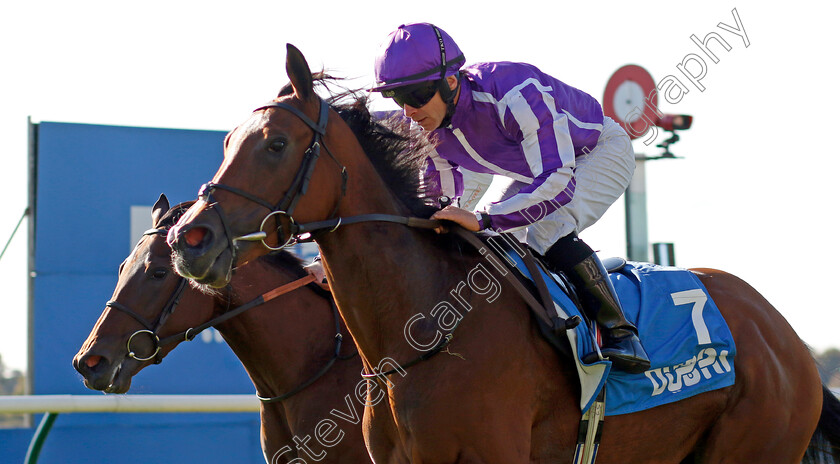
[299,187]
[188,335]
[286,206]
[151,328]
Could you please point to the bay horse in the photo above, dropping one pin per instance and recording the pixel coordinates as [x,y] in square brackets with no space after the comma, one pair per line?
[498,393]
[290,345]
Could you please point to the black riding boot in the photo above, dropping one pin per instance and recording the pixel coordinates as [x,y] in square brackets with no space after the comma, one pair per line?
[600,301]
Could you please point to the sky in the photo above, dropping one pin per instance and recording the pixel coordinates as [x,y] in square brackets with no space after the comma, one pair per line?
[751,193]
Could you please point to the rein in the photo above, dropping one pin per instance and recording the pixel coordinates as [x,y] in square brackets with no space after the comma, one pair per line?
[190,334]
[543,310]
[336,356]
[285,207]
[151,328]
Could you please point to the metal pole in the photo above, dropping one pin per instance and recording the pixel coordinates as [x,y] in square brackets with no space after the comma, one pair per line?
[40,437]
[635,205]
[25,212]
[30,260]
[55,404]
[663,254]
[128,403]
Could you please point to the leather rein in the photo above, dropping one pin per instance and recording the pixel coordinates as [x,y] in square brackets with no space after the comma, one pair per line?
[285,207]
[543,310]
[188,335]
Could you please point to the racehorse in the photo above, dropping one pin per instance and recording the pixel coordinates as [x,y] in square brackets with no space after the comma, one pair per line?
[497,393]
[290,345]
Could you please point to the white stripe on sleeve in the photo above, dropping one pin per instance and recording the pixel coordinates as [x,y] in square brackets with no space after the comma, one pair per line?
[496,169]
[447,178]
[553,186]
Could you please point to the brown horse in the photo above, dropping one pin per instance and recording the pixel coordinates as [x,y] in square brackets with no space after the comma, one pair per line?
[499,394]
[288,345]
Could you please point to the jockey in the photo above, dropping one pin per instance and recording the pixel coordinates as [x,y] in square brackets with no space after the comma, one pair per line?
[566,161]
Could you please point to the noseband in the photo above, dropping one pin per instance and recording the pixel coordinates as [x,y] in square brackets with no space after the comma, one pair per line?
[297,189]
[191,333]
[151,328]
[285,207]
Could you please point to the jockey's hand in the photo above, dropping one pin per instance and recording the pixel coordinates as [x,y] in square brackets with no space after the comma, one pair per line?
[462,217]
[317,269]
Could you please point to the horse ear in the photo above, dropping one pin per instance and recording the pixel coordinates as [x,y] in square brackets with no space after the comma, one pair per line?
[159,209]
[298,71]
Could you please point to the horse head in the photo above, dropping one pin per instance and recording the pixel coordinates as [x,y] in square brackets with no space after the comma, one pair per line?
[270,162]
[126,338]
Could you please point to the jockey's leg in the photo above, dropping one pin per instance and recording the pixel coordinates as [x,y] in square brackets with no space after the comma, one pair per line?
[582,266]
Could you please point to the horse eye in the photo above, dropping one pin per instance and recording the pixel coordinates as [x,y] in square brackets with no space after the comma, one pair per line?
[159,274]
[277,146]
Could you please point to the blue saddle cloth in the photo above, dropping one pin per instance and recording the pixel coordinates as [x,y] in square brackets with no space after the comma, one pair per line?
[690,346]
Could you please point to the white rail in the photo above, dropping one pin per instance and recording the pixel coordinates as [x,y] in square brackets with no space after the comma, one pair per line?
[128,403]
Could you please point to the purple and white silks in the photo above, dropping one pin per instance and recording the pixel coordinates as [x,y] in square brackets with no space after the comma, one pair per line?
[515,121]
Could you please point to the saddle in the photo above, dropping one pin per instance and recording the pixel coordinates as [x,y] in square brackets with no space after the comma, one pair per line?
[613,264]
[558,318]
[498,249]
[689,342]
[695,356]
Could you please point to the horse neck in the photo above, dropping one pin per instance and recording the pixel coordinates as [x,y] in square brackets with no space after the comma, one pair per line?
[380,273]
[284,341]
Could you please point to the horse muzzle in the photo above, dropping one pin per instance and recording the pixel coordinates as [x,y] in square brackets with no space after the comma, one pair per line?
[104,372]
[201,254]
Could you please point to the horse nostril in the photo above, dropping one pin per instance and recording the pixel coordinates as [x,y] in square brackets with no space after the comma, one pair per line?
[91,365]
[195,236]
[92,361]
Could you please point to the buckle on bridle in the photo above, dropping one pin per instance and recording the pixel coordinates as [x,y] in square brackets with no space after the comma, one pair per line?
[261,235]
[155,340]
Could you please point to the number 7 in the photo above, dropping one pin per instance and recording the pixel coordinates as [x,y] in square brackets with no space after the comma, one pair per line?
[698,297]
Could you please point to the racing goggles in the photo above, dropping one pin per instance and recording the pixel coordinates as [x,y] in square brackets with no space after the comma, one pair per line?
[414,95]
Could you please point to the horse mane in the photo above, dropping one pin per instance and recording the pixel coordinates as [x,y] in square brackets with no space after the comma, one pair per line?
[397,153]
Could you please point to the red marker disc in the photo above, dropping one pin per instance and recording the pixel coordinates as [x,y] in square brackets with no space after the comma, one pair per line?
[631,99]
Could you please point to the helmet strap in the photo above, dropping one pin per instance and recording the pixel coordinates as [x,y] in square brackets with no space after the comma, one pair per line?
[447,94]
[443,86]
[448,97]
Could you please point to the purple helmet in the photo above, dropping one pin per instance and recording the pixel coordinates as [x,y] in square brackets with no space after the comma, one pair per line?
[413,53]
